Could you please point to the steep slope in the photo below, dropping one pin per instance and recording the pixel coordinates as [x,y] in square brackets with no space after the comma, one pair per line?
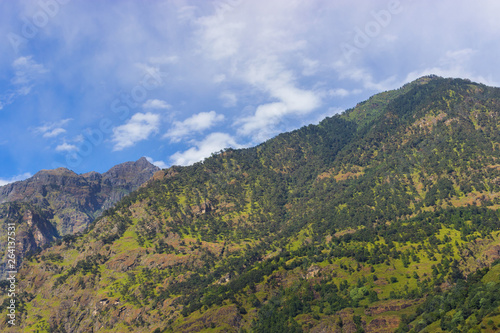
[33,227]
[368,221]
[65,201]
[76,200]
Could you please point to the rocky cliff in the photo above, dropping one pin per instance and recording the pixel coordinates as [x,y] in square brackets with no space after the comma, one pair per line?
[75,200]
[59,202]
[33,230]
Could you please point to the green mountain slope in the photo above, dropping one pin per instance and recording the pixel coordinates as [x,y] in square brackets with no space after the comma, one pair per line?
[382,219]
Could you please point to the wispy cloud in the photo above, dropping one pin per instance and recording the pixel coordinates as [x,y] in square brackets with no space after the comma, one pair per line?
[230,37]
[194,124]
[53,133]
[52,129]
[228,99]
[156,104]
[26,72]
[214,142]
[24,176]
[279,83]
[140,127]
[452,64]
[341,92]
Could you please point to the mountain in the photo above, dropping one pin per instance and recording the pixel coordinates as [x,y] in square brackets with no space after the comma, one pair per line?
[384,218]
[59,202]
[75,199]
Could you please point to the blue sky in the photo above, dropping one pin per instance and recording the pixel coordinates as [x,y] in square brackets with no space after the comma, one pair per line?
[90,84]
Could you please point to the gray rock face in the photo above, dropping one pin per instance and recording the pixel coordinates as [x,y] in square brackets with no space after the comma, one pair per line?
[59,202]
[33,230]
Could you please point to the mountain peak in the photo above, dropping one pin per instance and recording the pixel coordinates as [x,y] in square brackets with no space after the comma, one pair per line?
[143,160]
[377,105]
[138,165]
[424,80]
[427,78]
[55,172]
[140,171]
[78,198]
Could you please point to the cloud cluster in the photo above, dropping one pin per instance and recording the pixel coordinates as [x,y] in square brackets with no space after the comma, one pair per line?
[138,128]
[194,124]
[257,67]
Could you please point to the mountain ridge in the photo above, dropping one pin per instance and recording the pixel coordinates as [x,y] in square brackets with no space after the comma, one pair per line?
[127,174]
[354,224]
[65,201]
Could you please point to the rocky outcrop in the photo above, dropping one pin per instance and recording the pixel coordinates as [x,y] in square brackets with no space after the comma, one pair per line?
[59,202]
[76,200]
[32,230]
[130,174]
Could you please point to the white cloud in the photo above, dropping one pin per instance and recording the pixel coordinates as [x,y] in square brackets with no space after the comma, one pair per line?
[26,72]
[23,176]
[273,58]
[53,129]
[55,132]
[196,123]
[66,147]
[156,104]
[214,142]
[339,92]
[220,35]
[159,164]
[140,127]
[363,76]
[263,47]
[292,101]
[261,124]
[279,83]
[7,98]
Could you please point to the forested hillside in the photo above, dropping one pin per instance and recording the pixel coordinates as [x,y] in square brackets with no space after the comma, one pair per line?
[382,219]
